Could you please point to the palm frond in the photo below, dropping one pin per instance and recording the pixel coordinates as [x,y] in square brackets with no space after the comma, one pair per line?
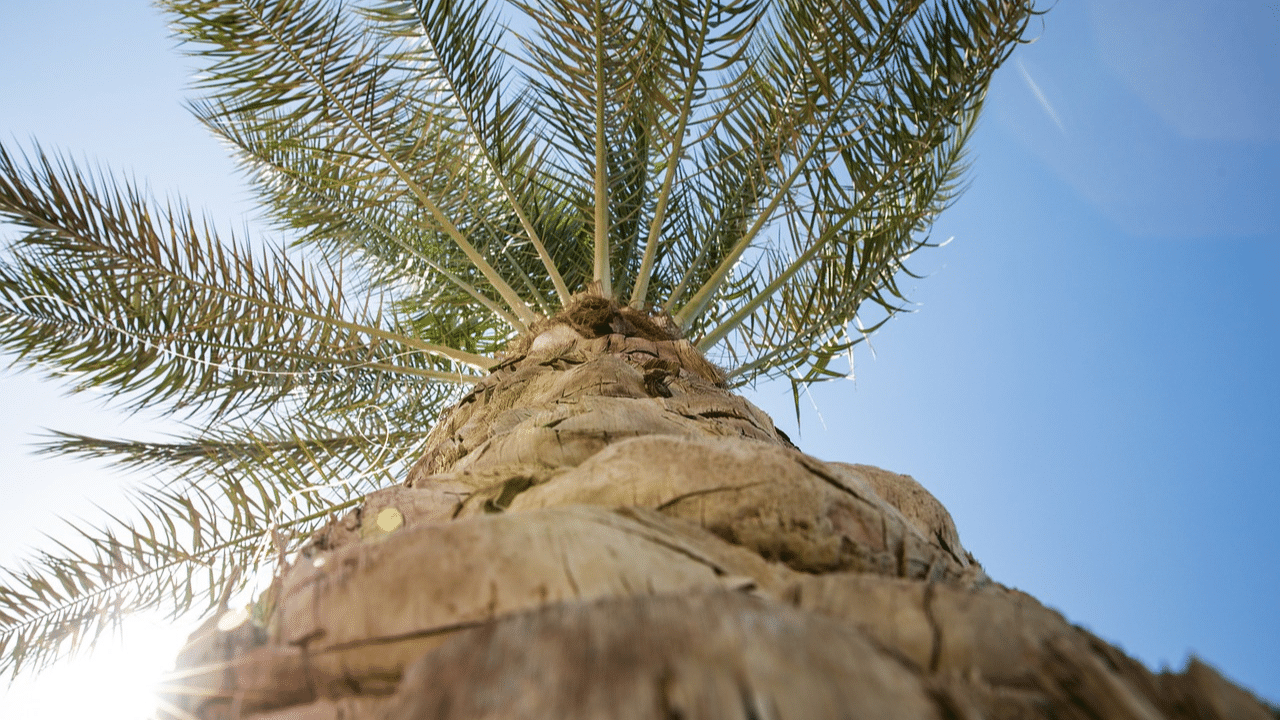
[866,145]
[588,64]
[697,39]
[223,503]
[145,301]
[465,39]
[376,117]
[60,601]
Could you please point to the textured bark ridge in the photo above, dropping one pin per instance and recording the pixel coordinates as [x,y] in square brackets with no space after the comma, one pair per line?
[601,530]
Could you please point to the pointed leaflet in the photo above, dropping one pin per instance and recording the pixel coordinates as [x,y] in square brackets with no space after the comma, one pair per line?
[146,301]
[321,69]
[212,515]
[698,38]
[464,39]
[586,62]
[870,155]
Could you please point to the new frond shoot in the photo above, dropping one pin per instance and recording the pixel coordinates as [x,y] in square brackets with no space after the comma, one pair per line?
[440,176]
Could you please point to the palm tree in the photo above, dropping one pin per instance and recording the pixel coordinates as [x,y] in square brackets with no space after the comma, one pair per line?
[476,419]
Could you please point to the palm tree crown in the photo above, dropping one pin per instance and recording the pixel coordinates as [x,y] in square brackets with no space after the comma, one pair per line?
[751,172]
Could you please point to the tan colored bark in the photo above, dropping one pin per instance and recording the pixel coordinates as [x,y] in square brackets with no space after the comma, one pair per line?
[601,530]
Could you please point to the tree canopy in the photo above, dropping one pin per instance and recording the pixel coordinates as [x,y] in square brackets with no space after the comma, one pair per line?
[444,174]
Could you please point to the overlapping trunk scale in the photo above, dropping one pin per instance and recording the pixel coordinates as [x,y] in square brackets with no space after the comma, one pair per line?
[601,530]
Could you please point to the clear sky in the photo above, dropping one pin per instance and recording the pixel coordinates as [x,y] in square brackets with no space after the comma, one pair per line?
[1089,382]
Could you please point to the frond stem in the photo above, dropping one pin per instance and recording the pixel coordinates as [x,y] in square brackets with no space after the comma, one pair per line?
[641,289]
[530,233]
[703,296]
[513,300]
[473,360]
[602,273]
[750,306]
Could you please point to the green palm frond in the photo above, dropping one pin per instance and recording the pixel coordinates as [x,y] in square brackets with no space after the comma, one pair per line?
[178,559]
[147,301]
[230,499]
[374,114]
[447,172]
[588,76]
[861,150]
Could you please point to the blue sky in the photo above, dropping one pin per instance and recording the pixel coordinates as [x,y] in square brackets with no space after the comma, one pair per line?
[1089,381]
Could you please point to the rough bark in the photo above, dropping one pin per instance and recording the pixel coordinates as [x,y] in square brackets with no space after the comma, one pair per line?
[601,530]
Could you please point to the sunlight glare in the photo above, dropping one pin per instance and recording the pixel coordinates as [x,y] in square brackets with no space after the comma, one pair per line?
[114,681]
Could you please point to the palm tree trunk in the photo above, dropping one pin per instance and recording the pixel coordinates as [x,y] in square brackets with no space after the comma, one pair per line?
[602,530]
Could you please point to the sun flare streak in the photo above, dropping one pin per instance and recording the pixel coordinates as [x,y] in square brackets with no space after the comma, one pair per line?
[1044,101]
